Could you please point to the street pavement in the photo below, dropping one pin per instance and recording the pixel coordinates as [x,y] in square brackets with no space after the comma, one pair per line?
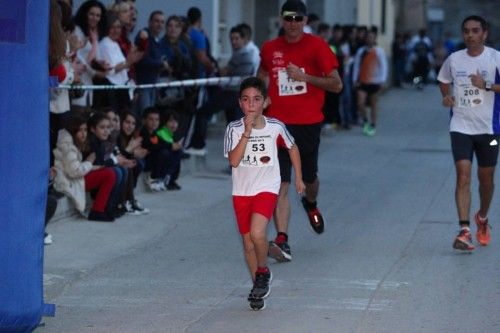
[384,263]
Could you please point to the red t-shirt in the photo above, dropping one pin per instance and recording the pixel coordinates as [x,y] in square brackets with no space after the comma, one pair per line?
[314,56]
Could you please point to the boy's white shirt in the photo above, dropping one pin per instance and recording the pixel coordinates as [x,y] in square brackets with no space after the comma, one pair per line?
[259,169]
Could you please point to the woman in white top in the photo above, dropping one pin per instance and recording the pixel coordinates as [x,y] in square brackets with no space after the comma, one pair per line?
[90,20]
[111,54]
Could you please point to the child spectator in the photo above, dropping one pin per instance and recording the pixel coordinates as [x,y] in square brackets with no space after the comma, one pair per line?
[171,151]
[130,147]
[75,175]
[163,159]
[150,141]
[99,126]
[251,145]
[111,146]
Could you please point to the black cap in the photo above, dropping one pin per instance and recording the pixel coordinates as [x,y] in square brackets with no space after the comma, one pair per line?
[292,7]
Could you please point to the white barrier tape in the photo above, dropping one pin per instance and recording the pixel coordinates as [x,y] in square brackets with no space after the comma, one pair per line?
[213,81]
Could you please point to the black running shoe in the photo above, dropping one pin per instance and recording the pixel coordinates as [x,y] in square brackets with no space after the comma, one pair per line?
[257,304]
[315,217]
[280,252]
[261,286]
[173,186]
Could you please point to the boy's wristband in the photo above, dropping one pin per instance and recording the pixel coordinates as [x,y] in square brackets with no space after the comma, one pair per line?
[243,135]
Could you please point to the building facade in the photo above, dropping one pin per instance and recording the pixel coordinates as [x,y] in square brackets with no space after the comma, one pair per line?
[442,19]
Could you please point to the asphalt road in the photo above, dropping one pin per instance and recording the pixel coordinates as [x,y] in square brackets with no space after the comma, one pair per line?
[384,264]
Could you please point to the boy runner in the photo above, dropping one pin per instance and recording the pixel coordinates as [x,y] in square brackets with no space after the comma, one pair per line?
[251,145]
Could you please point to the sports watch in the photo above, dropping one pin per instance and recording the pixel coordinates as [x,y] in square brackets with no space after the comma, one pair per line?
[488,85]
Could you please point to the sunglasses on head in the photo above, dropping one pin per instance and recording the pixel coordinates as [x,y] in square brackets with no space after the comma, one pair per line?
[291,18]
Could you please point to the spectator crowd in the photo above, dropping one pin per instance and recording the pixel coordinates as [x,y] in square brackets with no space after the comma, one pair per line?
[102,140]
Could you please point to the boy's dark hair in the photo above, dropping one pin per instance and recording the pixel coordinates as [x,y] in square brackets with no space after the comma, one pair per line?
[193,15]
[96,118]
[476,18]
[150,110]
[168,114]
[337,27]
[246,30]
[254,82]
[323,27]
[111,18]
[154,13]
[237,29]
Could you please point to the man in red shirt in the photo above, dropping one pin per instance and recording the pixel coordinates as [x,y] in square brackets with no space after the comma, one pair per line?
[298,67]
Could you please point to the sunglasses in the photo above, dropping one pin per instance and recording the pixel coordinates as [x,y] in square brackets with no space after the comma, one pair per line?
[291,18]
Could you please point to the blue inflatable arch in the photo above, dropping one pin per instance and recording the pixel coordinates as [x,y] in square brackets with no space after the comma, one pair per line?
[24,161]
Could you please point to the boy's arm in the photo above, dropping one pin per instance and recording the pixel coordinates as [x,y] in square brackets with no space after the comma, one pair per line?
[236,155]
[297,167]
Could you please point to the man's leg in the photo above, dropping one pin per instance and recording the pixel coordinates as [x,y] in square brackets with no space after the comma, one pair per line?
[463,241]
[373,99]
[361,103]
[486,188]
[462,190]
[282,211]
[312,190]
[279,248]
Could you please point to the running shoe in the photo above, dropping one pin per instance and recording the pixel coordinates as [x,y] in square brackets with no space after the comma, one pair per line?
[138,207]
[257,304]
[173,186]
[371,131]
[155,185]
[261,286]
[280,252]
[129,209]
[463,241]
[483,230]
[47,239]
[315,217]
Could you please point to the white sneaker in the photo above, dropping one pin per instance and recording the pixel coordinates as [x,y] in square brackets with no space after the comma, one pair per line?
[140,208]
[47,240]
[130,210]
[156,185]
[196,152]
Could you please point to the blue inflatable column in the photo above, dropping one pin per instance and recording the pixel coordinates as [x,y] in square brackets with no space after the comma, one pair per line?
[24,161]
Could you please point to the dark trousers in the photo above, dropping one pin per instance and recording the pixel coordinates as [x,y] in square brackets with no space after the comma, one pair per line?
[331,108]
[163,163]
[217,100]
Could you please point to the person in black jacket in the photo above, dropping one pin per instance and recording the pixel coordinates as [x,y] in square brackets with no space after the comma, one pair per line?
[100,128]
